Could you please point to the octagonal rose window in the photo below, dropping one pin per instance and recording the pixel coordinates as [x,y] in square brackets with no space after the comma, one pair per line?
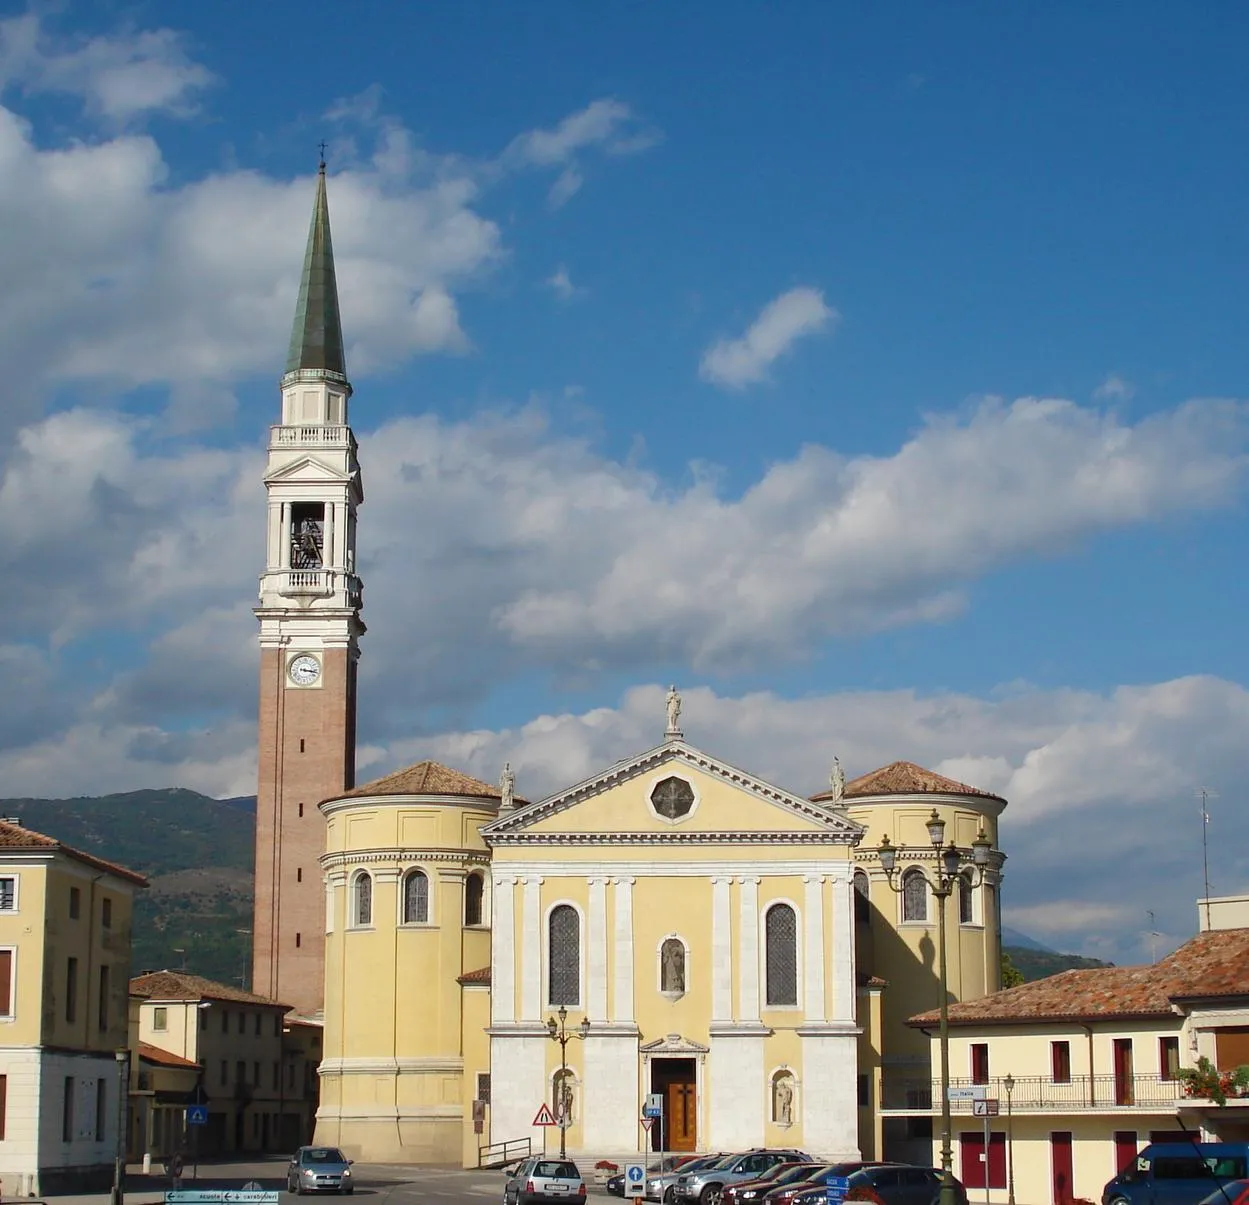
[672,798]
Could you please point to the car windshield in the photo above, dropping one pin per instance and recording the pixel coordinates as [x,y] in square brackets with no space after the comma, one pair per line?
[789,1173]
[323,1154]
[551,1169]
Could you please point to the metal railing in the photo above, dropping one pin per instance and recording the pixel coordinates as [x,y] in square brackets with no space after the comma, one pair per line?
[315,434]
[500,1154]
[1037,1093]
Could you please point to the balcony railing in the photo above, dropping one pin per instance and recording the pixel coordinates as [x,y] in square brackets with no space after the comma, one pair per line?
[319,583]
[1037,1093]
[309,434]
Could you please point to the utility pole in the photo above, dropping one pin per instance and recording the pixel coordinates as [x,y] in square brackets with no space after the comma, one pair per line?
[1206,795]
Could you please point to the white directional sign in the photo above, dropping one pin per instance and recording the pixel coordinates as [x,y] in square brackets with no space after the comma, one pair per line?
[975,1092]
[635,1180]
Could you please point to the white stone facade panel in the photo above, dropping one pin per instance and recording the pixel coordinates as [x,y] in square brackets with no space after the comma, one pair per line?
[611,1104]
[829,1098]
[736,1092]
[518,1085]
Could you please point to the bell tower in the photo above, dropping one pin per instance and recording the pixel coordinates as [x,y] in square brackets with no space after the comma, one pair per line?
[309,612]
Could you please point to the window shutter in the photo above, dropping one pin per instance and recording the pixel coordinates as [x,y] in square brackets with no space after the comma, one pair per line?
[6,983]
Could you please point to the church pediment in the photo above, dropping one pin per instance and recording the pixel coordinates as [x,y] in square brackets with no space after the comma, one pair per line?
[673,794]
[308,469]
[673,1043]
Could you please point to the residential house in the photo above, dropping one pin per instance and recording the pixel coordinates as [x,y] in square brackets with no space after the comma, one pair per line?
[65,920]
[1085,1067]
[235,1038]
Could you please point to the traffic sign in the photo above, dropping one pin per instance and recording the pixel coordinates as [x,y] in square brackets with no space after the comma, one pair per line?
[544,1116]
[197,1115]
[654,1106]
[635,1180]
[647,1122]
[975,1092]
[220,1196]
[835,1189]
[986,1108]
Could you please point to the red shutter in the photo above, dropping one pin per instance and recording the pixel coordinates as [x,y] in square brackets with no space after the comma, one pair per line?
[1125,1148]
[1061,1166]
[4,1102]
[6,983]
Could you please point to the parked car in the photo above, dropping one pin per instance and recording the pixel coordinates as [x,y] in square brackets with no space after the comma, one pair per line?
[615,1185]
[538,1180]
[1235,1193]
[660,1187]
[776,1176]
[893,1183]
[318,1169]
[706,1185]
[1190,1171]
[785,1194]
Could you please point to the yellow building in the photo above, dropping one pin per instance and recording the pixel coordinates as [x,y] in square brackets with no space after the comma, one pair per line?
[1092,1060]
[64,962]
[407,914]
[238,1041]
[896,930]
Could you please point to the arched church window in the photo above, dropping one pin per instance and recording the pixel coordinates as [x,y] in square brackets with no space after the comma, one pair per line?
[914,896]
[564,955]
[966,900]
[363,902]
[416,898]
[862,899]
[781,935]
[474,894]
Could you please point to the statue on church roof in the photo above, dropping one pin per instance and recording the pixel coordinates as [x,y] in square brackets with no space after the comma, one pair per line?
[674,713]
[837,781]
[507,787]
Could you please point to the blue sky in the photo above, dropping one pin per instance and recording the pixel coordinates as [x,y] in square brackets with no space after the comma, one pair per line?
[875,374]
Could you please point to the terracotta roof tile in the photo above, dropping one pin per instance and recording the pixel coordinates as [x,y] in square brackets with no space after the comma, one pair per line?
[15,837]
[1211,965]
[178,985]
[903,778]
[154,1054]
[426,778]
[481,975]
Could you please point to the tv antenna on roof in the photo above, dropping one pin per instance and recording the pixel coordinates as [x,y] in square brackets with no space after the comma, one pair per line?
[1205,795]
[1153,936]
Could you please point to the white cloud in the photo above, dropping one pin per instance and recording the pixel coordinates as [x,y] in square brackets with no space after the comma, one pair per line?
[1114,389]
[1068,917]
[118,76]
[606,125]
[114,276]
[560,283]
[736,363]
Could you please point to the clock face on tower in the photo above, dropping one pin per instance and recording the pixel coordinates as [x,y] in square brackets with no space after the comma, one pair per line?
[304,670]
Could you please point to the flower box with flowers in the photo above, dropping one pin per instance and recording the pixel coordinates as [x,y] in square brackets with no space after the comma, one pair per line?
[603,1169]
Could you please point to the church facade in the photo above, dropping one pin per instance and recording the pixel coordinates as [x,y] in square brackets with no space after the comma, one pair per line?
[672,929]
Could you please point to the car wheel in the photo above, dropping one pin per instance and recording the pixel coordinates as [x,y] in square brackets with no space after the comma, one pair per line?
[670,1196]
[711,1194]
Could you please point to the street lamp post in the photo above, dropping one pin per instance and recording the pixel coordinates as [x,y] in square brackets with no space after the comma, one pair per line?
[122,1056]
[1009,1084]
[951,863]
[563,1035]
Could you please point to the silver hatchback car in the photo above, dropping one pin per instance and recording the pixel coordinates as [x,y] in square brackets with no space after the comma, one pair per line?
[319,1169]
[539,1180]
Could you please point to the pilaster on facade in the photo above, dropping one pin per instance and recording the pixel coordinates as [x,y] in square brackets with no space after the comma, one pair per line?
[622,968]
[596,950]
[721,950]
[503,950]
[813,941]
[748,952]
[531,948]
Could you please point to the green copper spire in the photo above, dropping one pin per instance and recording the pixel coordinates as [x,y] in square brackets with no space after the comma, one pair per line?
[317,337]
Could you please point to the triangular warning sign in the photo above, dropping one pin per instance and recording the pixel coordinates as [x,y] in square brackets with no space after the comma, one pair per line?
[544,1117]
[647,1122]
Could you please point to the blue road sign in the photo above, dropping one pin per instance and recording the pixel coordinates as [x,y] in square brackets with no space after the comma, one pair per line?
[835,1189]
[197,1115]
[651,1111]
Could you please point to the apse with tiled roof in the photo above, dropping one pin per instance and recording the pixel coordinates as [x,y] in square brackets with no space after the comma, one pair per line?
[407,944]
[896,938]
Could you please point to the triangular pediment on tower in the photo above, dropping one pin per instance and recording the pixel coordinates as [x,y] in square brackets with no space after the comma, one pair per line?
[674,793]
[309,469]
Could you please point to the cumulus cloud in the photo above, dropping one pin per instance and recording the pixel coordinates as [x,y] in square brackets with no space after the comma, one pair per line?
[118,76]
[560,283]
[736,363]
[605,125]
[1114,389]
